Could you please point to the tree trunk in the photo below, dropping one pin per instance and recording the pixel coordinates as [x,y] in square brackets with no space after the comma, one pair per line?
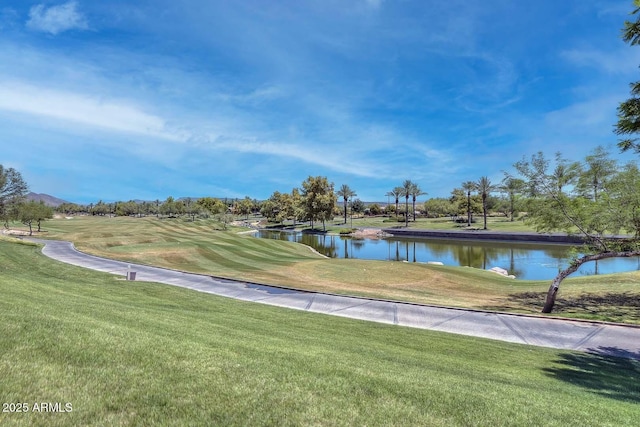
[484,211]
[406,212]
[414,210]
[468,208]
[573,267]
[345,211]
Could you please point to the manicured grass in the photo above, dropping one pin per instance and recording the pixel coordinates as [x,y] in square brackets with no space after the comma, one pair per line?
[133,353]
[199,247]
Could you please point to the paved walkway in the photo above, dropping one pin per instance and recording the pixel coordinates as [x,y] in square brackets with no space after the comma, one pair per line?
[622,341]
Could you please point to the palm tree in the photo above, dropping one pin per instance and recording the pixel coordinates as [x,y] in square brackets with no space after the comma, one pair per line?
[388,194]
[512,186]
[407,185]
[468,186]
[345,192]
[396,192]
[484,187]
[415,192]
[565,173]
[598,170]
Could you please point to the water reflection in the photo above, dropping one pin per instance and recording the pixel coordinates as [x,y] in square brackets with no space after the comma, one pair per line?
[524,260]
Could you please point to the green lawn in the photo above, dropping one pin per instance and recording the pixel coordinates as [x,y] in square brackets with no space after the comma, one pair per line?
[134,353]
[199,247]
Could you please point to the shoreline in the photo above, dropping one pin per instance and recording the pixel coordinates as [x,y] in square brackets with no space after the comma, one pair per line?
[502,236]
[487,235]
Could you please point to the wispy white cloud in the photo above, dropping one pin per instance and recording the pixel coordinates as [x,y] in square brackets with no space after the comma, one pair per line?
[366,92]
[606,8]
[594,116]
[309,154]
[56,19]
[619,61]
[117,116]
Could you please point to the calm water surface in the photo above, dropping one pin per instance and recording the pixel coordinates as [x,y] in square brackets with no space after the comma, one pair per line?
[524,260]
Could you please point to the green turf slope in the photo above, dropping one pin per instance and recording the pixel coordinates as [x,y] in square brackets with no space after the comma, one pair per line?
[132,353]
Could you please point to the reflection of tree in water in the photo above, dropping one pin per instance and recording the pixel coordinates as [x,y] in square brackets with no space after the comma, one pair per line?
[560,255]
[401,249]
[477,256]
[507,255]
[328,243]
[519,259]
[278,235]
[514,255]
[322,243]
[351,246]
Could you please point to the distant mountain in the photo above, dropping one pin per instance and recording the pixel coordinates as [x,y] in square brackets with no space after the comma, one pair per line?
[48,200]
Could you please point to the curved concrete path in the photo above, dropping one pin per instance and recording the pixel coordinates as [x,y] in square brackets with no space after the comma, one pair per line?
[600,338]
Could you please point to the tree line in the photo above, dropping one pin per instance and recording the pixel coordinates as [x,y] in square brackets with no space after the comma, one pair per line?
[13,203]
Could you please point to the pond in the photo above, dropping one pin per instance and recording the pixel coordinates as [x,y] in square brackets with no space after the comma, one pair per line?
[527,261]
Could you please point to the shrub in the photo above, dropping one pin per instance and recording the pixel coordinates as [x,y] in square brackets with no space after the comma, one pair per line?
[344,231]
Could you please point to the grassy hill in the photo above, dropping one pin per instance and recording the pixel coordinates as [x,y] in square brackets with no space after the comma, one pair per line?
[133,353]
[199,247]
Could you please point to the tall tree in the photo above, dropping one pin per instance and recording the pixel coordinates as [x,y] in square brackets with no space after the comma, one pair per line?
[297,206]
[244,207]
[597,170]
[512,187]
[358,206]
[629,110]
[190,208]
[212,205]
[285,208]
[346,193]
[415,192]
[484,188]
[468,186]
[388,194]
[318,199]
[271,207]
[33,211]
[565,173]
[396,193]
[169,207]
[13,189]
[100,208]
[405,192]
[615,209]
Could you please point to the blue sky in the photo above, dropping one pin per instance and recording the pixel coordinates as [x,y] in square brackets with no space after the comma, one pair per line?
[145,99]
